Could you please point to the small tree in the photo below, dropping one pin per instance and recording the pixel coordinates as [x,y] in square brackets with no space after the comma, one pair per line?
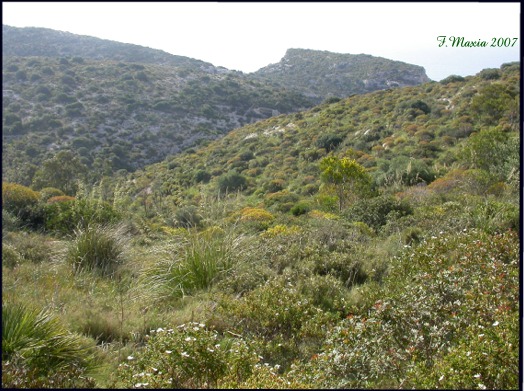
[62,171]
[346,176]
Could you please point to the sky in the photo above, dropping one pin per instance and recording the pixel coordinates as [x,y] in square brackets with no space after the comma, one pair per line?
[248,36]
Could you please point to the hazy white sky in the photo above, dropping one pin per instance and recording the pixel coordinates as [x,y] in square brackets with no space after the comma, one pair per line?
[249,36]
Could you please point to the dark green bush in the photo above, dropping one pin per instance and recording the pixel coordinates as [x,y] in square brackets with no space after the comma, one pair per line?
[375,212]
[231,182]
[329,141]
[490,74]
[202,176]
[452,79]
[300,209]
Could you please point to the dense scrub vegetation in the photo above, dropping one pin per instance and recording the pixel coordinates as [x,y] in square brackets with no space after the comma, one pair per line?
[236,265]
[117,107]
[120,116]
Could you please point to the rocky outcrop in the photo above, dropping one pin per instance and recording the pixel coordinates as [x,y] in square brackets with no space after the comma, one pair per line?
[322,74]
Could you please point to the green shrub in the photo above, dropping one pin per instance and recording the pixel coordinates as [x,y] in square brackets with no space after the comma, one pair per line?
[190,356]
[325,291]
[275,185]
[452,79]
[202,176]
[411,235]
[347,268]
[282,201]
[446,316]
[48,192]
[300,209]
[329,141]
[256,218]
[376,212]
[286,324]
[31,247]
[97,248]
[65,216]
[38,348]
[22,202]
[10,256]
[231,182]
[490,74]
[10,222]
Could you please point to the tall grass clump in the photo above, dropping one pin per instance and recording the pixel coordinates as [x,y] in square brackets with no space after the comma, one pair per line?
[97,248]
[37,351]
[192,262]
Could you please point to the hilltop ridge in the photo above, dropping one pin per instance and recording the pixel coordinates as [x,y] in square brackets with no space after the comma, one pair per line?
[321,74]
[121,106]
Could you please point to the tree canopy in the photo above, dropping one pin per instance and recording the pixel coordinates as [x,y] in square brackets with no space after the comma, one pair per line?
[346,176]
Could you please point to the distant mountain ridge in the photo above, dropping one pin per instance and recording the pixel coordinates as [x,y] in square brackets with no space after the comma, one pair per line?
[321,73]
[123,106]
[43,42]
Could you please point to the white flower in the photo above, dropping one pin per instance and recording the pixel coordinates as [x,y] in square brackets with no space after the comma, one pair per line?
[496,323]
[184,354]
[477,375]
[130,358]
[468,354]
[441,378]
[169,351]
[188,339]
[160,329]
[482,386]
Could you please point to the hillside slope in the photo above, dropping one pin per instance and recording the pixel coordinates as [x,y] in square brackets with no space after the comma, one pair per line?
[233,266]
[406,136]
[121,106]
[42,42]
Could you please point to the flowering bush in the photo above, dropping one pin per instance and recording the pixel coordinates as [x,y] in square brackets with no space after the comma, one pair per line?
[284,323]
[257,218]
[446,317]
[189,356]
[280,230]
